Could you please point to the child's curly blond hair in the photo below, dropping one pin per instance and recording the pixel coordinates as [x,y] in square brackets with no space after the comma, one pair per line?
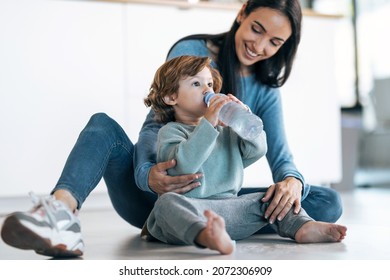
[166,82]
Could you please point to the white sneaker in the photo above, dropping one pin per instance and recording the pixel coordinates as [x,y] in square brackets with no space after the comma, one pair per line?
[50,229]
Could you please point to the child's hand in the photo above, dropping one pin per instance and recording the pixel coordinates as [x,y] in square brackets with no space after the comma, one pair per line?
[235,99]
[216,103]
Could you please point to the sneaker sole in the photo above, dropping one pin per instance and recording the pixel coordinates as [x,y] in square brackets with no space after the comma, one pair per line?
[15,234]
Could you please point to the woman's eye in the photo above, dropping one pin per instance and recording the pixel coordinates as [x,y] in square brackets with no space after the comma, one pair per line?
[275,43]
[210,85]
[256,29]
[196,84]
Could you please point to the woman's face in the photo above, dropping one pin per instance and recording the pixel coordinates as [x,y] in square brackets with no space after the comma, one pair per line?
[260,35]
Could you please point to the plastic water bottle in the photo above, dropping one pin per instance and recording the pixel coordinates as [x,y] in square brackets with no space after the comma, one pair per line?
[246,124]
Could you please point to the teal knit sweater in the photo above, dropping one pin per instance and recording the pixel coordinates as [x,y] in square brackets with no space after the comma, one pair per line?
[219,153]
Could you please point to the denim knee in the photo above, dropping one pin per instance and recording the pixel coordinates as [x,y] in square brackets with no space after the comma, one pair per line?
[335,202]
[108,130]
[323,204]
[100,120]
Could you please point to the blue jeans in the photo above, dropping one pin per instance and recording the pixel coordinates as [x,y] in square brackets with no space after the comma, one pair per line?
[103,150]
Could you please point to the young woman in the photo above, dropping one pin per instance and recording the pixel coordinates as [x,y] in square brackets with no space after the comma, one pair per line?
[255,58]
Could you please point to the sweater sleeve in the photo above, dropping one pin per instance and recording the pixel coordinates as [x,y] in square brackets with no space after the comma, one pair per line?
[253,150]
[145,152]
[279,156]
[190,148]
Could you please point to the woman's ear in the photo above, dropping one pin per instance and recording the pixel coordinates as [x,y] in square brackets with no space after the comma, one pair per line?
[241,14]
[170,99]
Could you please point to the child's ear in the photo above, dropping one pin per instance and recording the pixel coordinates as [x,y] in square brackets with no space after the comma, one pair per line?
[170,99]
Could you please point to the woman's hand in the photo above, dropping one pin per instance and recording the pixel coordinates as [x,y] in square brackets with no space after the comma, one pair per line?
[160,182]
[235,99]
[285,195]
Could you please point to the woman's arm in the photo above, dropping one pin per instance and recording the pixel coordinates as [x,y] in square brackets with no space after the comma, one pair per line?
[145,151]
[288,190]
[279,156]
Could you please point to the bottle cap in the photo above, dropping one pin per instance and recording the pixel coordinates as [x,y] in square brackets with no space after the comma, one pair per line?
[208,97]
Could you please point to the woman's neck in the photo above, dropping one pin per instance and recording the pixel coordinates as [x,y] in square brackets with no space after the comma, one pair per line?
[214,49]
[246,71]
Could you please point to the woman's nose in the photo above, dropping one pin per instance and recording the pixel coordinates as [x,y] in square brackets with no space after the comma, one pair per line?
[260,46]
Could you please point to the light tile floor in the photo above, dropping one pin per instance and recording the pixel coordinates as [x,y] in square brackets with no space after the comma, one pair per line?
[108,237]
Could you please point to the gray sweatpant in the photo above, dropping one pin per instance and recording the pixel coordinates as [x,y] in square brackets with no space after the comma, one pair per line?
[177,219]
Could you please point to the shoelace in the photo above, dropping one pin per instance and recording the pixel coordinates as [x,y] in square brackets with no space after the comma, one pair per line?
[47,204]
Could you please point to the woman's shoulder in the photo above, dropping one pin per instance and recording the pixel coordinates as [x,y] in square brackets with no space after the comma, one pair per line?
[257,95]
[251,85]
[189,47]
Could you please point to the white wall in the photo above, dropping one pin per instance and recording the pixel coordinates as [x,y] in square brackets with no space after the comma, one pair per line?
[60,61]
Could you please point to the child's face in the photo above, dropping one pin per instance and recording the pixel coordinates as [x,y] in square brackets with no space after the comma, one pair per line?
[189,99]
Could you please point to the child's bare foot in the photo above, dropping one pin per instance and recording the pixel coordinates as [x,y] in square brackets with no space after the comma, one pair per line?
[214,236]
[317,232]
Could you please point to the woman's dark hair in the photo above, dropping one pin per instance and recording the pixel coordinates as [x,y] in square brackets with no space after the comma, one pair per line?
[273,71]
